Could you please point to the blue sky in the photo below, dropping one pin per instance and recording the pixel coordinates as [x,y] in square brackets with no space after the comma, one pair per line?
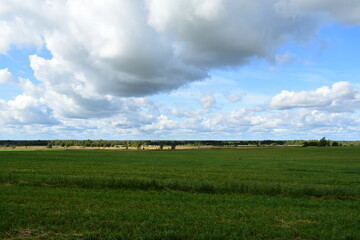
[218,69]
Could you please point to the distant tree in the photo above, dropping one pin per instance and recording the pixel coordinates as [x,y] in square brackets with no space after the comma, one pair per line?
[323,142]
[312,143]
[138,146]
[335,144]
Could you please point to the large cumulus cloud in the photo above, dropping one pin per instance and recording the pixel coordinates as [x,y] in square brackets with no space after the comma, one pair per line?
[103,51]
[227,33]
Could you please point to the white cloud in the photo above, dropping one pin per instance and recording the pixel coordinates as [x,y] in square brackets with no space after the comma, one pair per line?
[244,123]
[6,77]
[25,110]
[340,97]
[213,34]
[233,97]
[159,125]
[18,33]
[207,100]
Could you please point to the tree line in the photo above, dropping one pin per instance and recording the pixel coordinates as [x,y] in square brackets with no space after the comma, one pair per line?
[139,144]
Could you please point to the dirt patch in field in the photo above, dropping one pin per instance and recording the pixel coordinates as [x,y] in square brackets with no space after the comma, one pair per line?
[7,184]
[28,233]
[289,224]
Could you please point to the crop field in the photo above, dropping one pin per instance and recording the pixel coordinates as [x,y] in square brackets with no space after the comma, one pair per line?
[255,193]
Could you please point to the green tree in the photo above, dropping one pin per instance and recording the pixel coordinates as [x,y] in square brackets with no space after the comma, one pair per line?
[323,142]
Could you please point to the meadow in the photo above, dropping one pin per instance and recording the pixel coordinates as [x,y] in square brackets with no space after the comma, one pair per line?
[256,193]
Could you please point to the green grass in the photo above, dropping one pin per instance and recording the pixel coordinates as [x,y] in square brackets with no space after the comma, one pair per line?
[260,193]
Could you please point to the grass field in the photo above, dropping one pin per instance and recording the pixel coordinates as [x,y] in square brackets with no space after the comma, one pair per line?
[258,193]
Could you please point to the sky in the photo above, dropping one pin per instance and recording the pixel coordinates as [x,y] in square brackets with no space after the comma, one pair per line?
[180,70]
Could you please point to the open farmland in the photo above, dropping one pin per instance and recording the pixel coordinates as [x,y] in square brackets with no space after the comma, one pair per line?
[255,193]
